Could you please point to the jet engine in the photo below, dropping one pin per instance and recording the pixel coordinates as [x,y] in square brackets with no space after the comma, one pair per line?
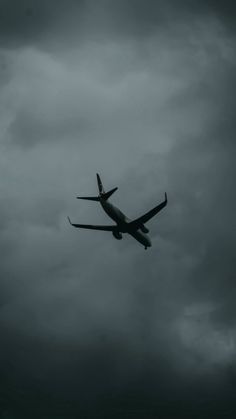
[117,235]
[144,229]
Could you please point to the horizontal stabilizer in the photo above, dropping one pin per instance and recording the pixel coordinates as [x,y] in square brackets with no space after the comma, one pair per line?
[93,227]
[89,198]
[107,195]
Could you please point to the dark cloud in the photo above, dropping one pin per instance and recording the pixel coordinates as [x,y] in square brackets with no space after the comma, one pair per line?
[29,22]
[143,94]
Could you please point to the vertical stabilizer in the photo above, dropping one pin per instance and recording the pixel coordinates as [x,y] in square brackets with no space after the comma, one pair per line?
[102,194]
[100,185]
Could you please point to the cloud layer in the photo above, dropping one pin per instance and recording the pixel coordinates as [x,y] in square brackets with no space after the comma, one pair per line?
[142,94]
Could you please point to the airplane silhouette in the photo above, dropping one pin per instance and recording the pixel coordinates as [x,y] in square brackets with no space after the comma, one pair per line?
[135,228]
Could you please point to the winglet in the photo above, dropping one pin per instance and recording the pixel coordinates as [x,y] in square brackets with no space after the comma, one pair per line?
[69,220]
[166,197]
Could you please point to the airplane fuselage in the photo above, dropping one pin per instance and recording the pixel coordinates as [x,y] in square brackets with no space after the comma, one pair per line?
[136,227]
[123,225]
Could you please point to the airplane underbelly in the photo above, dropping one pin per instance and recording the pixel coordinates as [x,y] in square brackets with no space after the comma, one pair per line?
[141,238]
[114,213]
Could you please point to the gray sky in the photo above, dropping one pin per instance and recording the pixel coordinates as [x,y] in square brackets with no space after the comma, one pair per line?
[144,94]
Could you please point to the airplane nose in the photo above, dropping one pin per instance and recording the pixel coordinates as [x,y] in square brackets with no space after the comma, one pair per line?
[149,243]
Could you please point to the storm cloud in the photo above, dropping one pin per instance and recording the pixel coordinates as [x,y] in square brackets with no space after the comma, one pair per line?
[143,93]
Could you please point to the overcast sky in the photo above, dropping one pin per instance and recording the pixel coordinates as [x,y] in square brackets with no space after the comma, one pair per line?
[142,92]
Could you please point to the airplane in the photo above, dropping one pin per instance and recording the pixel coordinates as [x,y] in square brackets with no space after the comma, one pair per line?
[135,228]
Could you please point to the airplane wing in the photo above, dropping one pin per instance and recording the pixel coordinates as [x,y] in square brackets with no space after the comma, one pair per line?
[146,217]
[93,227]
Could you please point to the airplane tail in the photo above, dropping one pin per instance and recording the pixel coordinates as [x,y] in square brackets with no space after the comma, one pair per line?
[100,185]
[89,198]
[107,195]
[102,194]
